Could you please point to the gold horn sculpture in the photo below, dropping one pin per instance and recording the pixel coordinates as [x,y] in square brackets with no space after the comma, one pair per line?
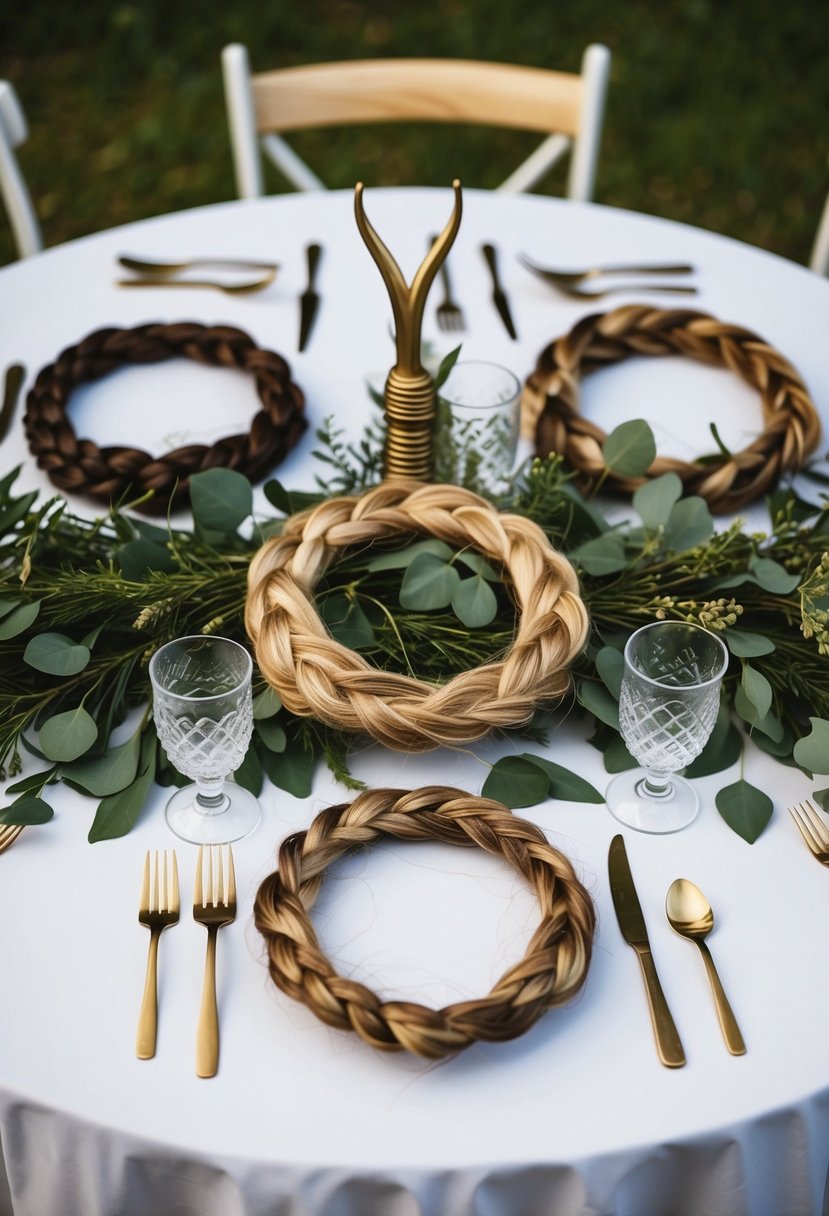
[410,391]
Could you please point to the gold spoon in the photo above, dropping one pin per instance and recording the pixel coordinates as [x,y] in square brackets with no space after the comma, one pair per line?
[691,915]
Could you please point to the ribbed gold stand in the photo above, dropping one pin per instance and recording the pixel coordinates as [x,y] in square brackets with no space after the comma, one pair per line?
[410,391]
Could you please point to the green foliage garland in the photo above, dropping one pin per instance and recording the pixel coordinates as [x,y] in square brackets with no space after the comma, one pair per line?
[83,604]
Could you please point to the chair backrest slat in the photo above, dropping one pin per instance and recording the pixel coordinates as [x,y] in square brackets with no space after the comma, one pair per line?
[567,106]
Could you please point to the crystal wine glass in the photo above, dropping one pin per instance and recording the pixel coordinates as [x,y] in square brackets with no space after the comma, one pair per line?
[203,713]
[668,705]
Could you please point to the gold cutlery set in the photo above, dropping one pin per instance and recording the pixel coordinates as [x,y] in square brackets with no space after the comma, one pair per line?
[690,915]
[148,273]
[575,284]
[214,905]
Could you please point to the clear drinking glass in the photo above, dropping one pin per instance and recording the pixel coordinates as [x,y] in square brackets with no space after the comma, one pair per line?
[667,709]
[203,713]
[477,429]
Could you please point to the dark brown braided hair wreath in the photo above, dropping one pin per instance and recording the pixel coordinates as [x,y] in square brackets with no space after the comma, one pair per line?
[552,970]
[550,402]
[108,474]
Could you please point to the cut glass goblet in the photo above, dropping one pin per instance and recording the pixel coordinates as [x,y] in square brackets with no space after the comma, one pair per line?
[668,705]
[203,713]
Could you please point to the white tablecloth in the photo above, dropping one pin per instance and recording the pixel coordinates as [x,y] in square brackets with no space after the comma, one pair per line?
[577,1117]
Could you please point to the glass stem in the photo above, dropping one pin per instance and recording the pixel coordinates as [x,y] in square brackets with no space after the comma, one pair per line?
[655,786]
[210,798]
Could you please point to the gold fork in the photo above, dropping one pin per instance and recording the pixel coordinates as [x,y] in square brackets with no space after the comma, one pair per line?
[9,832]
[159,907]
[449,314]
[813,829]
[214,905]
[572,278]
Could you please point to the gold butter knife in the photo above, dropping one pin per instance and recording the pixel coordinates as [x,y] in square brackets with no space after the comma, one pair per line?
[632,924]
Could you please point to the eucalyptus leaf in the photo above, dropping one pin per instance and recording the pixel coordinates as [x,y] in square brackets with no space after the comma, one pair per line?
[564,784]
[292,770]
[772,576]
[278,496]
[630,449]
[812,751]
[272,735]
[429,582]
[745,644]
[107,774]
[781,748]
[689,524]
[137,557]
[757,689]
[16,512]
[617,758]
[516,781]
[745,809]
[602,555]
[56,654]
[474,602]
[8,603]
[346,621]
[117,813]
[67,735]
[653,500]
[399,559]
[265,704]
[477,563]
[445,367]
[610,664]
[34,781]
[598,701]
[221,499]
[769,724]
[19,620]
[27,810]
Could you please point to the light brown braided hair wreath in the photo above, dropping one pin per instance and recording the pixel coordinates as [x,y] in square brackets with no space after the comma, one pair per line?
[318,677]
[728,483]
[552,970]
[108,474]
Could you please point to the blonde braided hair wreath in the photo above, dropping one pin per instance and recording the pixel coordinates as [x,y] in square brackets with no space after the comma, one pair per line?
[552,970]
[550,403]
[316,676]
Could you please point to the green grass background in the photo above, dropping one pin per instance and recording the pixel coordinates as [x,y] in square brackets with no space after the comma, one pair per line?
[718,112]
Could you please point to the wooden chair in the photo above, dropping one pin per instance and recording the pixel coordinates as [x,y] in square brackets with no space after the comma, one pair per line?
[568,106]
[13,131]
[819,260]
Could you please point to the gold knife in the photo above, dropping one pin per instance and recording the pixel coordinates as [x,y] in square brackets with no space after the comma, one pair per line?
[309,300]
[632,924]
[499,296]
[15,376]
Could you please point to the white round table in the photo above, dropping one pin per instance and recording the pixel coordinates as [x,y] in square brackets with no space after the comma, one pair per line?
[576,1117]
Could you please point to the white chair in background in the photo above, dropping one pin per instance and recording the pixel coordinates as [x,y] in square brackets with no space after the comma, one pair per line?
[13,131]
[819,260]
[568,106]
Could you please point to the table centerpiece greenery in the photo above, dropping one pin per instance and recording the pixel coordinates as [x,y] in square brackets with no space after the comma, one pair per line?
[84,603]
